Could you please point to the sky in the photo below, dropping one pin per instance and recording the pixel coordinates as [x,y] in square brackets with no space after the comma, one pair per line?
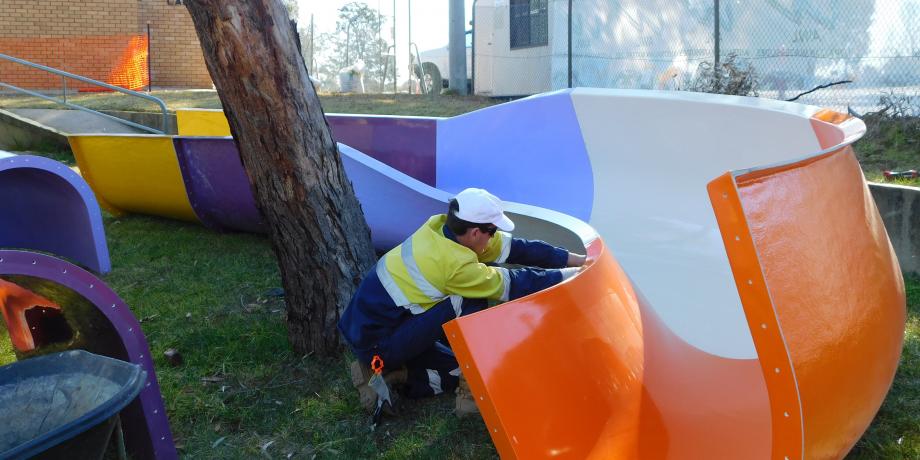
[429,20]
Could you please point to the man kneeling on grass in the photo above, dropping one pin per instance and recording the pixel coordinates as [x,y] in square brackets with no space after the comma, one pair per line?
[439,273]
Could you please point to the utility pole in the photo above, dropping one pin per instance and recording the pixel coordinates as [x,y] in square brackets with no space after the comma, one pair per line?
[312,63]
[347,42]
[457,41]
[395,73]
[570,43]
[411,64]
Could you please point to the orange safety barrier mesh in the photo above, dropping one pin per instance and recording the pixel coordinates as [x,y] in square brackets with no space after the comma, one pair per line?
[131,70]
[119,60]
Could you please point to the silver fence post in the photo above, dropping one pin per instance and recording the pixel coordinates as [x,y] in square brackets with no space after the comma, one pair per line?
[716,37]
[570,43]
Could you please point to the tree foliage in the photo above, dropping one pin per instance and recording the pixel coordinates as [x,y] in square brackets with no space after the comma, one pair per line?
[357,36]
[730,76]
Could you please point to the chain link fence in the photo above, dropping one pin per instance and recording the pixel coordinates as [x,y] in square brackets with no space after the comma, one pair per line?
[845,54]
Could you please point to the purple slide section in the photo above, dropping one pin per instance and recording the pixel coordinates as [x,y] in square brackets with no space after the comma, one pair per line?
[48,207]
[394,203]
[119,315]
[217,184]
[405,143]
[218,187]
[529,151]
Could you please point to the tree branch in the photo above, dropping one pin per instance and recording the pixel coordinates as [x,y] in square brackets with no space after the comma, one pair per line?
[819,87]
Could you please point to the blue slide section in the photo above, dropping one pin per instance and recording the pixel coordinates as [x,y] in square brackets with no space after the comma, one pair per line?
[48,207]
[528,151]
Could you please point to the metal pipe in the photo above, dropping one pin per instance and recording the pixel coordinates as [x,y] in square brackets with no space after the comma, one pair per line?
[386,68]
[473,51]
[570,43]
[149,78]
[409,24]
[312,54]
[456,49]
[383,76]
[84,109]
[716,33]
[92,82]
[421,80]
[395,73]
[347,41]
[63,84]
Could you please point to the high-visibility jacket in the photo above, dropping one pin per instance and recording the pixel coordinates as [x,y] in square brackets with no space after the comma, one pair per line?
[430,266]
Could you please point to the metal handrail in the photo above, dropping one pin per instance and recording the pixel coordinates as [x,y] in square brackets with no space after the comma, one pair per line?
[92,82]
[418,58]
[386,68]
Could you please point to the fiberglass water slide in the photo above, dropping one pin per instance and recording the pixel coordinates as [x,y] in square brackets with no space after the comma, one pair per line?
[51,303]
[741,298]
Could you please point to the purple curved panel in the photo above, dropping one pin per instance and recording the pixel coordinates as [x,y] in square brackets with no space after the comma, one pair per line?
[529,151]
[52,209]
[217,184]
[404,143]
[394,204]
[121,319]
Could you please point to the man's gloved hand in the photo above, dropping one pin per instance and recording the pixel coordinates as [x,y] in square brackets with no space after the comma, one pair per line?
[575,260]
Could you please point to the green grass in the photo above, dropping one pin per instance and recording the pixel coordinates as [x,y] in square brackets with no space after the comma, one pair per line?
[895,432]
[241,387]
[174,99]
[6,347]
[63,157]
[403,104]
[203,293]
[890,144]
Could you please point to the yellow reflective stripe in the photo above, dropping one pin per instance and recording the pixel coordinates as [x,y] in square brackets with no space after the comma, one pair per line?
[506,280]
[434,381]
[416,274]
[506,248]
[389,284]
[415,309]
[457,302]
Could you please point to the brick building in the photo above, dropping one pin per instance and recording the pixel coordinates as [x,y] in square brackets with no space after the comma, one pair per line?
[98,39]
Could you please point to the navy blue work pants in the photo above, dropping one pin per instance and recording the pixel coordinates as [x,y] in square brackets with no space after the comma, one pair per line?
[419,344]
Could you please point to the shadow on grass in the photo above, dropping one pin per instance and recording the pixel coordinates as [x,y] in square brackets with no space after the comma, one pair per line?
[895,431]
[241,390]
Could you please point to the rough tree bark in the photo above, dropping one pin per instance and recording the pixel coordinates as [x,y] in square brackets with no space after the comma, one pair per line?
[316,225]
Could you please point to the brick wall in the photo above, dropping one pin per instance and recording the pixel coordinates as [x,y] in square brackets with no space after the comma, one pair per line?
[176,58]
[89,38]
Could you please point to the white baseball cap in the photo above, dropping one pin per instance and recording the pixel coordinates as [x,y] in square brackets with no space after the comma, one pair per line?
[481,207]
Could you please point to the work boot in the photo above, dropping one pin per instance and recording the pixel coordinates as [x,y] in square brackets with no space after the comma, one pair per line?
[465,403]
[361,375]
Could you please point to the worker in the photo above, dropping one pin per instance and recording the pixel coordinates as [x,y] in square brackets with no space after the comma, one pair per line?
[444,270]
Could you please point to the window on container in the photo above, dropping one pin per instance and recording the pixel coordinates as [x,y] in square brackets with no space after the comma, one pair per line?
[529,23]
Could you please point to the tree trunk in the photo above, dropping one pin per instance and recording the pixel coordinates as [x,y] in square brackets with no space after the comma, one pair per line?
[316,225]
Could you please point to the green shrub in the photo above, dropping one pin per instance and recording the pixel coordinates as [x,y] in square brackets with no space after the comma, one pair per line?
[731,76]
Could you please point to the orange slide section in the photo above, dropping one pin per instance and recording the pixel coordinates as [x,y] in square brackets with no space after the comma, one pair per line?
[15,301]
[818,236]
[586,369]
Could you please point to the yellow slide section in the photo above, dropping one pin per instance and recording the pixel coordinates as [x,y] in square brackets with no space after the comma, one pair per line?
[202,122]
[134,173]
